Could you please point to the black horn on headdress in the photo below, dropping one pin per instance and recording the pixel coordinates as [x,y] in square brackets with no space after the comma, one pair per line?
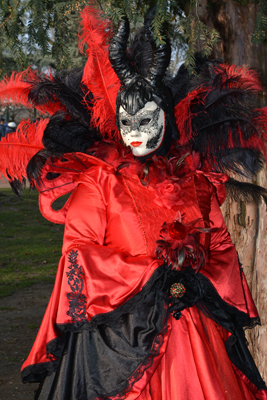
[118,56]
[136,88]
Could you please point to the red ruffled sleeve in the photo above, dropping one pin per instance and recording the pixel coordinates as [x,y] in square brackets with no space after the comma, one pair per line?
[92,278]
[222,268]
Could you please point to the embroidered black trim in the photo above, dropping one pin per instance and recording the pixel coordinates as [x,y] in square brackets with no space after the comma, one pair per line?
[77,300]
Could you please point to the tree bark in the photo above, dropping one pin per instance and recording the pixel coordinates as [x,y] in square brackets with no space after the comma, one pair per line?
[235,23]
[247,223]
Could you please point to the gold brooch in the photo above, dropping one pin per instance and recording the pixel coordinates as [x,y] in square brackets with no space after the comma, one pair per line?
[177,290]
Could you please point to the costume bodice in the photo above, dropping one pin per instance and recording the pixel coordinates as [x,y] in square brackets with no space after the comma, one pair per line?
[132,214]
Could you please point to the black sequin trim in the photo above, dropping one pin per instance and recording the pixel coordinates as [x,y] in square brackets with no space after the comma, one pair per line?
[77,300]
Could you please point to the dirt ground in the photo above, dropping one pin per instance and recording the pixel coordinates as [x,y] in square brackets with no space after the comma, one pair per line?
[20,318]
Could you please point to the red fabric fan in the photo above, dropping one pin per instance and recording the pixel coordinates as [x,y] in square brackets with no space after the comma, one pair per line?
[99,77]
[19,147]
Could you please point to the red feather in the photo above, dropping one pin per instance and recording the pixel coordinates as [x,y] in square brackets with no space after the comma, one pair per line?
[231,77]
[247,77]
[183,114]
[99,76]
[16,149]
[15,91]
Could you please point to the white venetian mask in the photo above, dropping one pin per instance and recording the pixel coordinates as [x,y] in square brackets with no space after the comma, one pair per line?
[143,131]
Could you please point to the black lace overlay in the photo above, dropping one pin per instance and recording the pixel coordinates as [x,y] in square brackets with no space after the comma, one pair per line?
[38,372]
[77,300]
[107,355]
[106,359]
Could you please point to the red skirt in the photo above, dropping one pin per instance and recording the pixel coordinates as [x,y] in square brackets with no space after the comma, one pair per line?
[195,365]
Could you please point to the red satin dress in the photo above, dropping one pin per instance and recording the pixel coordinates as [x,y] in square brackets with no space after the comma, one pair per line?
[112,224]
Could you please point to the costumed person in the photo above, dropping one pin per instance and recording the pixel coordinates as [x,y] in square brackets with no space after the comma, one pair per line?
[150,300]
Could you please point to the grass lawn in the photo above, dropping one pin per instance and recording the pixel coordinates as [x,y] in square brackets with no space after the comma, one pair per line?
[30,245]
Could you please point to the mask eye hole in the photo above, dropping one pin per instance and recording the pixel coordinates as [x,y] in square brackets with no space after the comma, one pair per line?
[145,121]
[125,122]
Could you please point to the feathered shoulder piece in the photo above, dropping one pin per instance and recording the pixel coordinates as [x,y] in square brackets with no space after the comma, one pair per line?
[218,116]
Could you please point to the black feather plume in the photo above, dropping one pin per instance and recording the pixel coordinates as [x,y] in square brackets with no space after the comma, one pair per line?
[16,185]
[219,117]
[140,53]
[245,162]
[247,192]
[61,136]
[67,88]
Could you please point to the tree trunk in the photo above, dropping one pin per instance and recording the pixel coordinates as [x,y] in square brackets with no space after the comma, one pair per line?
[247,223]
[235,23]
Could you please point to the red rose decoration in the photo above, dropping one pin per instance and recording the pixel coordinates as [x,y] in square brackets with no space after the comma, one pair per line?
[169,194]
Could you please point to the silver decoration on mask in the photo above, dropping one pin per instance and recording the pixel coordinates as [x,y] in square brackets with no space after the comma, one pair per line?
[144,122]
[147,125]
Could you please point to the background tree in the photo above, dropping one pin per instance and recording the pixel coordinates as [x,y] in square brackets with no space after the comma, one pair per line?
[242,28]
[39,33]
[44,32]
